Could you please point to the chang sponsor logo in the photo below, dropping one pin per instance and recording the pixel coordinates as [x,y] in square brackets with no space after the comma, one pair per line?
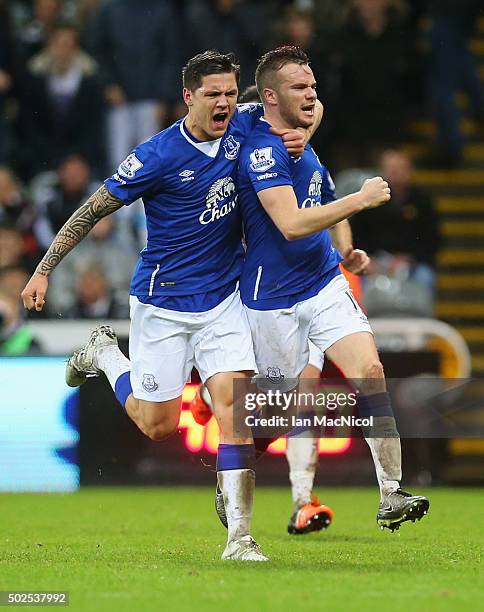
[221,200]
[314,191]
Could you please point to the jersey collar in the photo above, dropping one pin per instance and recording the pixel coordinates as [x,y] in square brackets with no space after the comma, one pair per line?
[209,148]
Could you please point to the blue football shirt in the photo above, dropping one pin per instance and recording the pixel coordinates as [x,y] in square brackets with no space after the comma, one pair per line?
[194,252]
[278,273]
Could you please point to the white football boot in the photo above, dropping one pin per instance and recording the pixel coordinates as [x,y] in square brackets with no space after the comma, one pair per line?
[243,549]
[399,506]
[81,366]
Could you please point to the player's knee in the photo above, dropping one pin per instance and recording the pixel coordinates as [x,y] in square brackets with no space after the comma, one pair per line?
[159,432]
[374,369]
[372,378]
[160,428]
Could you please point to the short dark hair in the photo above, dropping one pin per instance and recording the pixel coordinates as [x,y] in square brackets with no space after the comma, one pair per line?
[274,60]
[250,94]
[209,62]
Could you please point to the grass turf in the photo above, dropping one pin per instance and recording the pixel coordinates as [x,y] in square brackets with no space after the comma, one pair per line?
[159,549]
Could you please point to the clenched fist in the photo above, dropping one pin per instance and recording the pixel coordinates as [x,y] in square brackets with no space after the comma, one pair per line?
[355,260]
[34,293]
[375,192]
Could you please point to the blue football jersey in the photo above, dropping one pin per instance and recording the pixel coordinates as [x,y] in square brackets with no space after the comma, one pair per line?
[190,197]
[277,273]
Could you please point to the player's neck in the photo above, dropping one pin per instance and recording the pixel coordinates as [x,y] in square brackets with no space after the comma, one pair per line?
[195,131]
[275,120]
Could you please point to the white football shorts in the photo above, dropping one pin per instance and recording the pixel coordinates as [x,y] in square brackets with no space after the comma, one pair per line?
[164,346]
[281,336]
[316,357]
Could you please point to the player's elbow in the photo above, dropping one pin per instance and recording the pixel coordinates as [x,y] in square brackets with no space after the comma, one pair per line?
[288,221]
[290,235]
[290,231]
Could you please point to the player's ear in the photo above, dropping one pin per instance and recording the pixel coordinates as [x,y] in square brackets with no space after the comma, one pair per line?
[187,96]
[269,96]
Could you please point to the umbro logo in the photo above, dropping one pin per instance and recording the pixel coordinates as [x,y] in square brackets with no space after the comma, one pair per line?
[187,175]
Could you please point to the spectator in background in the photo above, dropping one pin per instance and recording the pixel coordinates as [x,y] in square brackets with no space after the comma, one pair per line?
[137,45]
[63,107]
[56,203]
[452,68]
[14,206]
[86,10]
[46,17]
[249,95]
[6,77]
[376,54]
[94,297]
[12,281]
[298,28]
[402,238]
[330,15]
[104,248]
[13,251]
[229,26]
[15,336]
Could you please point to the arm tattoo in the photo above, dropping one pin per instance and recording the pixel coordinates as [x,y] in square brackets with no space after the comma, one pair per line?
[99,205]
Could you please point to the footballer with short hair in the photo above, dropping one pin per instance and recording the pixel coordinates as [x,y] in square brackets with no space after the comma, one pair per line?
[291,283]
[185,304]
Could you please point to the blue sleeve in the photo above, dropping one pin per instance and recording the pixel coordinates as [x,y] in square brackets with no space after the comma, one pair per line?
[327,188]
[140,174]
[267,165]
[247,116]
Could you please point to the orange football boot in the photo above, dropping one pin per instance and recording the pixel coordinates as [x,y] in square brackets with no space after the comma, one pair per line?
[201,411]
[310,517]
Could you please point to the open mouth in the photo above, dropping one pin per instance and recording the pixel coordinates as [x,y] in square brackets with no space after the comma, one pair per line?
[308,110]
[219,120]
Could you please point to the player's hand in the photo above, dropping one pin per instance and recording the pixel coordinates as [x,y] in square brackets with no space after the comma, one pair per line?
[356,260]
[375,192]
[294,140]
[33,296]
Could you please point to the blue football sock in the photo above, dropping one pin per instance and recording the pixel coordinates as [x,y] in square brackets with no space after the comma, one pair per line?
[377,405]
[235,457]
[123,388]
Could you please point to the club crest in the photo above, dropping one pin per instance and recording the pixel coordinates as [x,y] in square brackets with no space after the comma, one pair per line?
[231,147]
[149,383]
[274,374]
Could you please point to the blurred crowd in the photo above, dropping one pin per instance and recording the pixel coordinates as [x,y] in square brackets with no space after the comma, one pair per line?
[83,81]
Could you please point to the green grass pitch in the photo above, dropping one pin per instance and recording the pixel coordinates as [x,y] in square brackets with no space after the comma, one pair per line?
[159,549]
